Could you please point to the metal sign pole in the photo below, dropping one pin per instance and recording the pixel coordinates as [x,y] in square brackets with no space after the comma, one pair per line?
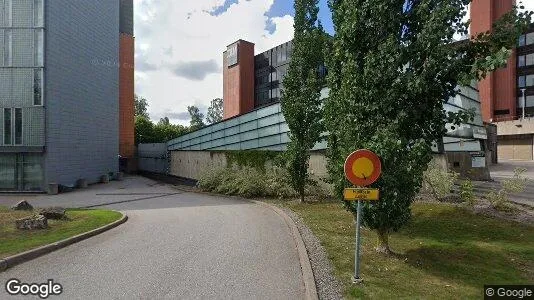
[357,278]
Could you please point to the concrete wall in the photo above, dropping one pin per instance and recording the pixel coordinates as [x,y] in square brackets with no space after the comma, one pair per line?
[153,158]
[81,89]
[462,163]
[191,164]
[516,127]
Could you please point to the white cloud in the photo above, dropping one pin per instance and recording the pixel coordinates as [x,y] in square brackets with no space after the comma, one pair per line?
[197,40]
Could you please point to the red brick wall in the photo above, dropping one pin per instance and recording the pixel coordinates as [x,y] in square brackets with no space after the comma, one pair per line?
[498,90]
[126,95]
[238,82]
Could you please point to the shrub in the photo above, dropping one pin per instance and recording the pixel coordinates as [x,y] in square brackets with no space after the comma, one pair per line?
[438,182]
[252,182]
[467,192]
[517,184]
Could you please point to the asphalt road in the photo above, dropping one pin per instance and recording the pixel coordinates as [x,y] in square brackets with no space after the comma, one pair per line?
[176,245]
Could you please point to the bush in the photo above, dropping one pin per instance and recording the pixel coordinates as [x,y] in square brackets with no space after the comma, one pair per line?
[247,182]
[438,182]
[467,192]
[517,184]
[250,182]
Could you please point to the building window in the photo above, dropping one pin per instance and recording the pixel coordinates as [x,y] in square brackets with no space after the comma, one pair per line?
[521,61]
[8,13]
[522,81]
[18,126]
[529,80]
[529,60]
[38,13]
[522,40]
[39,47]
[38,87]
[7,126]
[529,38]
[528,99]
[8,48]
[274,76]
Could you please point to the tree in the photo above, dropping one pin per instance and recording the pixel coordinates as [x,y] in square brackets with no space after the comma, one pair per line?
[164,121]
[141,107]
[215,111]
[301,97]
[144,130]
[391,67]
[164,131]
[196,118]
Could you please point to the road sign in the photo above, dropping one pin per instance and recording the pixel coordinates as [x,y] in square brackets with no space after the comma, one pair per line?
[362,194]
[363,168]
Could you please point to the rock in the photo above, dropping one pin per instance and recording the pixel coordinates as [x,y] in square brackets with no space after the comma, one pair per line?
[53,213]
[32,223]
[22,205]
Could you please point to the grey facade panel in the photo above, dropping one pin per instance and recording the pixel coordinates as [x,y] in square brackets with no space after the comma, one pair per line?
[127,17]
[81,89]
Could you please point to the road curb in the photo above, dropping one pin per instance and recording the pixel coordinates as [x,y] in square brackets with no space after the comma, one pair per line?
[305,265]
[14,260]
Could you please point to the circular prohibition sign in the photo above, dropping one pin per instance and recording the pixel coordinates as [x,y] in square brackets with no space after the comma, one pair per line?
[363,168]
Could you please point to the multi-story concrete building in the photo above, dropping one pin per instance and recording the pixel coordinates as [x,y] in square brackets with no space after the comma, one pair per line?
[253,118]
[252,81]
[507,95]
[59,92]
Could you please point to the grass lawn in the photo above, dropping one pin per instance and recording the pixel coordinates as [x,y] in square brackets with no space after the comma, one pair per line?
[13,241]
[445,252]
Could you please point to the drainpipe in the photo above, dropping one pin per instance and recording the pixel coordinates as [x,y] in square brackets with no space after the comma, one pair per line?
[524,104]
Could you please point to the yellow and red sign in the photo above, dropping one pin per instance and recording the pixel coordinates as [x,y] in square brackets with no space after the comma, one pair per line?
[363,168]
[361,194]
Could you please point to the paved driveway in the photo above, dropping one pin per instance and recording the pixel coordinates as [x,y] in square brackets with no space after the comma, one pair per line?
[176,245]
[504,170]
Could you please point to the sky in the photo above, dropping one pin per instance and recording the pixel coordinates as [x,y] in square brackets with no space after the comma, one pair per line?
[179,46]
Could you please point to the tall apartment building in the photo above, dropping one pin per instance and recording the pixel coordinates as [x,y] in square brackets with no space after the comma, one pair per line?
[59,92]
[507,95]
[252,81]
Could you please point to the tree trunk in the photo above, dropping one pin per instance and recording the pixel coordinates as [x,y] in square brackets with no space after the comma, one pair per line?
[383,242]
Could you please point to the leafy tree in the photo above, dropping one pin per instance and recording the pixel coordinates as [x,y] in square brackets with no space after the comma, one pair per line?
[215,111]
[164,131]
[144,130]
[196,118]
[392,65]
[164,121]
[301,103]
[141,107]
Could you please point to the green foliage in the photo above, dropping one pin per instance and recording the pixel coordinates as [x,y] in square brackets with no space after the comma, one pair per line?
[247,182]
[256,159]
[467,192]
[301,102]
[196,118]
[148,132]
[517,184]
[215,111]
[438,181]
[141,107]
[391,66]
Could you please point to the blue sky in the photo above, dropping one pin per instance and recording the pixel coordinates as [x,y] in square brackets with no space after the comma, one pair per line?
[284,7]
